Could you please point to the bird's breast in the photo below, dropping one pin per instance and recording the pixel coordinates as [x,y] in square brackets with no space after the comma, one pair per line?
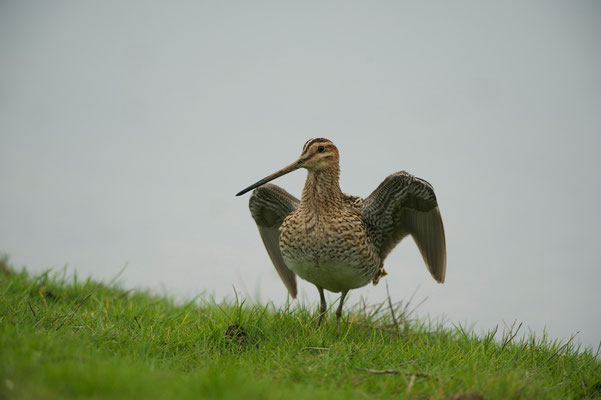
[333,252]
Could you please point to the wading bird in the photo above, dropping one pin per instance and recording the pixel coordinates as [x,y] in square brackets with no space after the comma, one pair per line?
[338,241]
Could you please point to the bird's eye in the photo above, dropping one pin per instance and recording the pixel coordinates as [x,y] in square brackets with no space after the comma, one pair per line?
[320,149]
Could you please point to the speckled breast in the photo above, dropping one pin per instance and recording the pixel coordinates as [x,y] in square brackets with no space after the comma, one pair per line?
[332,252]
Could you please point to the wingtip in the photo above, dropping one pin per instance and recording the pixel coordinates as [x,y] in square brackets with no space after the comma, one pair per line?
[441,275]
[292,293]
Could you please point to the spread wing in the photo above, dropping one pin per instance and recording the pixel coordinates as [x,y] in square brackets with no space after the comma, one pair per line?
[269,205]
[406,205]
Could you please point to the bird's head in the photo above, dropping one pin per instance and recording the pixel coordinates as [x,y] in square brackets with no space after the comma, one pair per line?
[318,154]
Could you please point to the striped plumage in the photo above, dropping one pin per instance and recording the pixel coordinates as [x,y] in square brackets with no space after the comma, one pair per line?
[338,241]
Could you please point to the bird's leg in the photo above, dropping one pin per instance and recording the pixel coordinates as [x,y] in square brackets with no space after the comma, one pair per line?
[323,307]
[339,310]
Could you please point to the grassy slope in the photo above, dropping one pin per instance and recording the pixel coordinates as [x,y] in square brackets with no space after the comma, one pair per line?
[76,339]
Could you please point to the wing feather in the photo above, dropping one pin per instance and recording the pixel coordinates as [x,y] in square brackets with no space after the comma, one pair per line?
[406,205]
[269,206]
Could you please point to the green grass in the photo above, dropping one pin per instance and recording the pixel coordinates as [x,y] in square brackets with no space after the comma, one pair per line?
[66,338]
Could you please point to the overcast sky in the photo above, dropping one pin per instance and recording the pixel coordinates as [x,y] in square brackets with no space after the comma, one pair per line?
[126,128]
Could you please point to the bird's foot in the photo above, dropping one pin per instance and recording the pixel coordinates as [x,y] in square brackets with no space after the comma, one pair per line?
[319,319]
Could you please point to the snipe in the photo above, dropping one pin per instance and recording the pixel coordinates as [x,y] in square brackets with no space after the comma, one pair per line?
[338,241]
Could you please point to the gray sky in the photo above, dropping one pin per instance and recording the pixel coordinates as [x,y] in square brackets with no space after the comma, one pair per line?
[127,127]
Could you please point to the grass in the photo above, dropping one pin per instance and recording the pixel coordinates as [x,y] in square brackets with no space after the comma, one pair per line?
[67,338]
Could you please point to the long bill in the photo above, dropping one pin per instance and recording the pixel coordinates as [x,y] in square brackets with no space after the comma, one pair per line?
[292,167]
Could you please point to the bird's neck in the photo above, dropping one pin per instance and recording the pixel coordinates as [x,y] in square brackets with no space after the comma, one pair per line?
[322,190]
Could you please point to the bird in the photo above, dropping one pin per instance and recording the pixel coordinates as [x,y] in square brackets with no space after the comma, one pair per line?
[338,241]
